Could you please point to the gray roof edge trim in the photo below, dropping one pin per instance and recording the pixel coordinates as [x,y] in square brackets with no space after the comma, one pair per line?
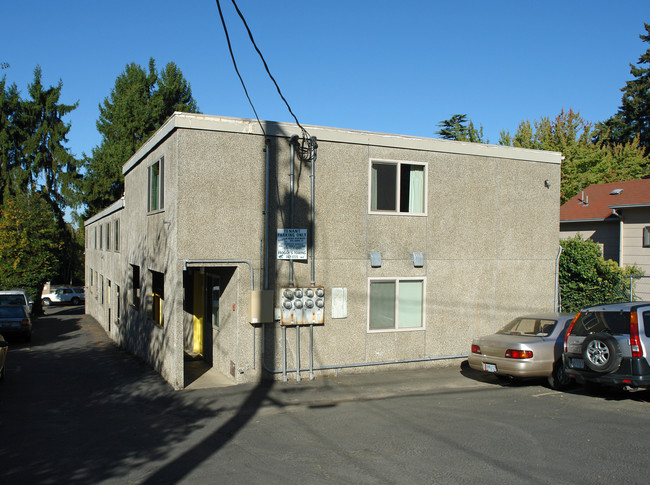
[114,207]
[337,135]
[159,135]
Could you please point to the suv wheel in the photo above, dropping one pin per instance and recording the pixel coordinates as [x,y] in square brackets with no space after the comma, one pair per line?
[601,353]
[46,302]
[75,301]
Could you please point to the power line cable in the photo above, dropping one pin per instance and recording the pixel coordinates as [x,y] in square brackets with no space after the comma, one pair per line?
[234,62]
[250,35]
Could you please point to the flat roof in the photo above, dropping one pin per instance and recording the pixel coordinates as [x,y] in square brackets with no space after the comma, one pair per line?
[226,124]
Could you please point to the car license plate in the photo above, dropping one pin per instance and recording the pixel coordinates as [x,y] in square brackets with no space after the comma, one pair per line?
[577,363]
[489,367]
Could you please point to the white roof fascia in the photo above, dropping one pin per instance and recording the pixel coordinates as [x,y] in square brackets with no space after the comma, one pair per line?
[588,220]
[114,207]
[335,135]
[624,206]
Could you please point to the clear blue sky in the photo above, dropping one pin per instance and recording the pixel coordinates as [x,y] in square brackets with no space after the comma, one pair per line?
[387,66]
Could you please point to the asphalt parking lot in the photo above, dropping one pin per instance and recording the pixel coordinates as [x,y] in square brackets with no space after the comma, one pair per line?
[76,409]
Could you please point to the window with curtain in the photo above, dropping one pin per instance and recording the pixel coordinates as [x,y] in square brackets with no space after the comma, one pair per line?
[397,187]
[396,304]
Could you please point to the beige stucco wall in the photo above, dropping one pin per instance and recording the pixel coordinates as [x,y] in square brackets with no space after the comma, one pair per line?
[489,240]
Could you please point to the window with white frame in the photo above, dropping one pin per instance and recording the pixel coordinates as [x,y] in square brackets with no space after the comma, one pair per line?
[395,304]
[398,187]
[156,199]
[646,237]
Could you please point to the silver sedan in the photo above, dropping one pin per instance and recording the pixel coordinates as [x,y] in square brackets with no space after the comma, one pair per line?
[528,346]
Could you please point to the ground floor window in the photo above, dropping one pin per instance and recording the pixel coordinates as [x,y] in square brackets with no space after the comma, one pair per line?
[157,297]
[395,304]
[135,285]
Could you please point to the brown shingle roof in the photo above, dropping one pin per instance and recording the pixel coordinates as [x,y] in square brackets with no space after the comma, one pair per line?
[597,201]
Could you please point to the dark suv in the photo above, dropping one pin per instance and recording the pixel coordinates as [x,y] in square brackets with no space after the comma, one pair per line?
[609,344]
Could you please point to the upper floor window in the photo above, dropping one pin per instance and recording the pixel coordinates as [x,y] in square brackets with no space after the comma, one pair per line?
[398,187]
[108,236]
[156,200]
[116,244]
[646,237]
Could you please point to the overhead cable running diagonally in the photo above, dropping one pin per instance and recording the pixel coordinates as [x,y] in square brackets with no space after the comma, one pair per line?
[234,62]
[307,147]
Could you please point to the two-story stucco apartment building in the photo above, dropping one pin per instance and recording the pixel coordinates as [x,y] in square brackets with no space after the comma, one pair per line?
[392,249]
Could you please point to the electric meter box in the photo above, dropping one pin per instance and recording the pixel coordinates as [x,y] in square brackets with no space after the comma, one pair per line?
[260,306]
[302,306]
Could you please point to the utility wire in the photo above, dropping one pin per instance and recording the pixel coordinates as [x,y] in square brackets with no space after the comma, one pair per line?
[234,62]
[250,35]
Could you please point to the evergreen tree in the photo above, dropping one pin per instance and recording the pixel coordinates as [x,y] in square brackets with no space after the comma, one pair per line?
[138,105]
[633,117]
[459,128]
[48,166]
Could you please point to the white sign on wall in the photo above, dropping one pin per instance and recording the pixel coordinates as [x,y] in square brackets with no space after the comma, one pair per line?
[292,243]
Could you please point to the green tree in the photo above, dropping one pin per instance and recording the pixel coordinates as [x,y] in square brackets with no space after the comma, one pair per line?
[586,161]
[29,243]
[587,279]
[138,105]
[459,128]
[633,117]
[49,166]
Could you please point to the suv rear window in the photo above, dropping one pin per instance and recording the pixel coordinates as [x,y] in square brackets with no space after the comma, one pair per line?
[614,323]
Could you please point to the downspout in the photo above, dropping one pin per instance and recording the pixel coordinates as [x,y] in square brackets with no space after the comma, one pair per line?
[267,142]
[292,177]
[620,237]
[313,147]
[556,298]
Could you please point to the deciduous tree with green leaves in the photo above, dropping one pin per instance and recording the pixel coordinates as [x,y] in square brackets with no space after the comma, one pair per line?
[138,105]
[586,161]
[587,279]
[30,243]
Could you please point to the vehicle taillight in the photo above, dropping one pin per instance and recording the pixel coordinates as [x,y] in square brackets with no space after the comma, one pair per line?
[519,354]
[635,343]
[568,332]
[476,349]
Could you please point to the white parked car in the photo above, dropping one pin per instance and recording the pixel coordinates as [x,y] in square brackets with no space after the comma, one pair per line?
[16,297]
[64,296]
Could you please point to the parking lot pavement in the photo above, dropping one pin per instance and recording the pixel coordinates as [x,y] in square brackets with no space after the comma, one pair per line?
[76,409]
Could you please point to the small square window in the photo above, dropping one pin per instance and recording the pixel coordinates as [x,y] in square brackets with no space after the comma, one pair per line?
[398,187]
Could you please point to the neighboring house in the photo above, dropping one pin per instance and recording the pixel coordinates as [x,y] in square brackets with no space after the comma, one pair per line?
[412,247]
[616,216]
